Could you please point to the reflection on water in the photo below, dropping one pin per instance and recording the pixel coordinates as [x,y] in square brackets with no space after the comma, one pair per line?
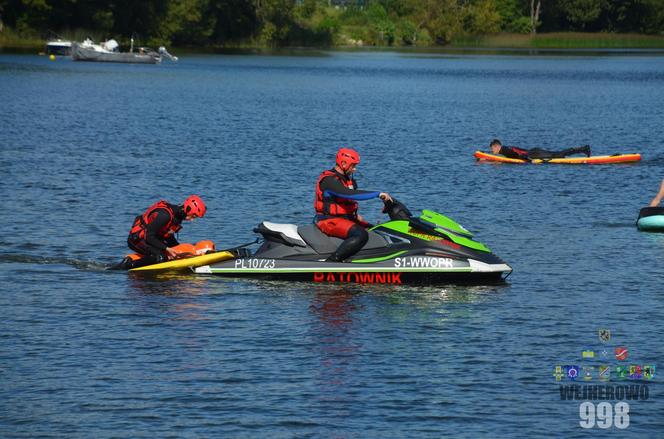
[413,294]
[426,296]
[174,293]
[349,327]
[333,307]
[169,284]
[334,336]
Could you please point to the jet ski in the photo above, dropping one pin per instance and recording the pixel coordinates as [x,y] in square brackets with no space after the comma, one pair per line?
[429,249]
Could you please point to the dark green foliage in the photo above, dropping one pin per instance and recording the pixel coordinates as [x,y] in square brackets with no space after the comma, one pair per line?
[513,17]
[322,22]
[581,13]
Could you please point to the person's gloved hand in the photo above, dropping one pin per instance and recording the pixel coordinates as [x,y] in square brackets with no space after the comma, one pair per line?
[171,253]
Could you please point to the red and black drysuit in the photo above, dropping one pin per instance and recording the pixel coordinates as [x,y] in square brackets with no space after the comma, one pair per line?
[336,212]
[155,230]
[513,152]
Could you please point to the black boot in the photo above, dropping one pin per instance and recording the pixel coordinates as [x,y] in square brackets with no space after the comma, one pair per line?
[357,237]
[126,264]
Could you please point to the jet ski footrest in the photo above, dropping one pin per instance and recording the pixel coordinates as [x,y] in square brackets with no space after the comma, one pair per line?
[285,232]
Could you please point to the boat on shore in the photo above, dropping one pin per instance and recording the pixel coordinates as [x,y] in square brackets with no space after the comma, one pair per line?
[108,51]
[58,47]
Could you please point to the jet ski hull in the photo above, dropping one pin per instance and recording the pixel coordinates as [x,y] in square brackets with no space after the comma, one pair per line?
[406,270]
[430,249]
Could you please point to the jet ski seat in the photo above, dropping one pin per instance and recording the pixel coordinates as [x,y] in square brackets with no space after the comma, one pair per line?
[285,232]
[323,244]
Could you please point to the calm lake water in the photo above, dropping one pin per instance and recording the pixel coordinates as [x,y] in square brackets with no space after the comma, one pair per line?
[85,147]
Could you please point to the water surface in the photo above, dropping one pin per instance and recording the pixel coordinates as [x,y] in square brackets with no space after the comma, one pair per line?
[85,147]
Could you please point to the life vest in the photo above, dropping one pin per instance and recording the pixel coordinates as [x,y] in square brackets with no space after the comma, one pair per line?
[516,153]
[139,228]
[335,206]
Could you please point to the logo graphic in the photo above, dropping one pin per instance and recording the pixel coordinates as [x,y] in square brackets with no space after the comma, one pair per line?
[588,354]
[604,353]
[621,353]
[648,371]
[558,373]
[621,372]
[635,372]
[604,373]
[604,335]
[588,373]
[572,372]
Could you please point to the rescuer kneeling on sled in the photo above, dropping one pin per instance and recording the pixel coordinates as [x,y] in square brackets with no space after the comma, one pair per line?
[153,232]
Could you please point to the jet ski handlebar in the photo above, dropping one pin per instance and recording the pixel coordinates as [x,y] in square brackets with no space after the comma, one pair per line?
[396,210]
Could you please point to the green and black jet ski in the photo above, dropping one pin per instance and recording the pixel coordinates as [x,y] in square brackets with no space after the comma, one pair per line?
[427,250]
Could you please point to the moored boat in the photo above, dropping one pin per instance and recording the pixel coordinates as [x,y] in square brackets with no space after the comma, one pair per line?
[58,47]
[109,52]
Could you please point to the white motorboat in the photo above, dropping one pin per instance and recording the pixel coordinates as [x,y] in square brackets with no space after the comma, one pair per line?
[108,51]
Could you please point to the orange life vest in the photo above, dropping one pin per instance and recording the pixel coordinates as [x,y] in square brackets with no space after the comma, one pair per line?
[139,228]
[335,206]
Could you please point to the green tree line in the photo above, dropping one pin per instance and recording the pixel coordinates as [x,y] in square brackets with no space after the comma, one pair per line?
[326,22]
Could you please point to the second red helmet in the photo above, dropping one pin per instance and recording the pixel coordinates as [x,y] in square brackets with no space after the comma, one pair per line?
[194,206]
[347,157]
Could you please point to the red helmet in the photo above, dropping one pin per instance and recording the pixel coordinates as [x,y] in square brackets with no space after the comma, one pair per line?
[194,206]
[349,157]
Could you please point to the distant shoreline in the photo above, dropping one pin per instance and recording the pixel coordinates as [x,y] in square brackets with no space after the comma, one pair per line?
[559,41]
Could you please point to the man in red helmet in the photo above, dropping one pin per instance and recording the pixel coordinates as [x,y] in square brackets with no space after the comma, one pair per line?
[153,232]
[336,205]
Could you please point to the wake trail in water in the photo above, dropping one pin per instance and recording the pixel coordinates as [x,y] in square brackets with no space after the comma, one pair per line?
[78,263]
[614,225]
[656,160]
